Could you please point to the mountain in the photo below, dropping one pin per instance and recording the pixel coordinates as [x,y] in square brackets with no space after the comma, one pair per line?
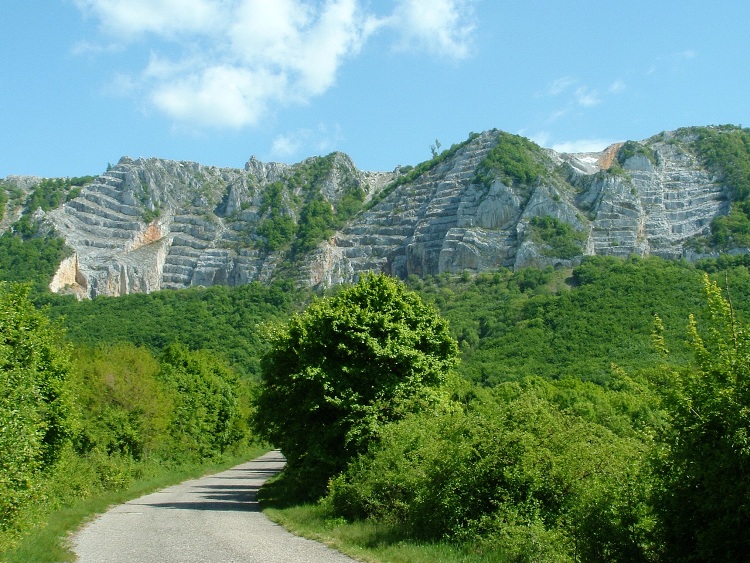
[495,200]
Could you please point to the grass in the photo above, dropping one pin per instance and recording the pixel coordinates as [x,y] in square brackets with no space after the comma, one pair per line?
[367,541]
[49,542]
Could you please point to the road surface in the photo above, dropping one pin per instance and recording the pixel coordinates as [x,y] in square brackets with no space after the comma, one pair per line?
[212,519]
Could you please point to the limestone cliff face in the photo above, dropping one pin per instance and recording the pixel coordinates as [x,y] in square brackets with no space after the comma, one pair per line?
[446,222]
[150,224]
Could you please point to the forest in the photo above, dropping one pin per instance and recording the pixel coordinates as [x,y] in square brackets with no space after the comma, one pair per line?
[569,420]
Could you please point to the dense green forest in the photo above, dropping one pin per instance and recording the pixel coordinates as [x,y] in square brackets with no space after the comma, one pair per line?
[560,406]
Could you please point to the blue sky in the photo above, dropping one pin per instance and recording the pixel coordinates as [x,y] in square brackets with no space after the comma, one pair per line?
[85,82]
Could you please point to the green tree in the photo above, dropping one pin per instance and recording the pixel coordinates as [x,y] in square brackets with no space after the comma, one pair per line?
[37,414]
[208,397]
[126,410]
[346,366]
[704,469]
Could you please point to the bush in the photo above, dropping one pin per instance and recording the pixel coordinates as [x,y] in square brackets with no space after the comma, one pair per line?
[514,160]
[517,475]
[208,415]
[704,469]
[127,409]
[558,239]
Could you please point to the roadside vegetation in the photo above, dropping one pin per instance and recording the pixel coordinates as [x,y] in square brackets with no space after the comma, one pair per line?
[591,460]
[558,436]
[80,423]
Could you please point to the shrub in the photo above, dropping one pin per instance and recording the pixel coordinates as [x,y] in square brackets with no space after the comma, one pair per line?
[517,475]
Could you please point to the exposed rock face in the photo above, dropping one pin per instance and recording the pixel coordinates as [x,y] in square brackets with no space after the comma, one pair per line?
[152,224]
[149,224]
[445,222]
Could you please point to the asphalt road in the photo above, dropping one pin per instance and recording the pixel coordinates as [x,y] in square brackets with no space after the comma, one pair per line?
[212,519]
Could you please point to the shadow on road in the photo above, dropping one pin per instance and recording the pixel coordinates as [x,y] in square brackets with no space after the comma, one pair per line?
[239,494]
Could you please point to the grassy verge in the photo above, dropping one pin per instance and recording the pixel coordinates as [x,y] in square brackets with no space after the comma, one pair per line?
[369,541]
[49,542]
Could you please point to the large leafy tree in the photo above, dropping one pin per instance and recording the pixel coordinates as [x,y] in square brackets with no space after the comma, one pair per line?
[345,367]
[703,501]
[37,413]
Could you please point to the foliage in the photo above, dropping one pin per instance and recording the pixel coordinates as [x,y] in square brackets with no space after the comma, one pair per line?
[345,367]
[51,193]
[725,151]
[208,414]
[140,416]
[297,216]
[316,222]
[3,198]
[277,227]
[33,260]
[126,409]
[560,239]
[37,410]
[723,262]
[732,230]
[556,323]
[630,149]
[513,474]
[277,231]
[704,469]
[150,215]
[514,160]
[220,319]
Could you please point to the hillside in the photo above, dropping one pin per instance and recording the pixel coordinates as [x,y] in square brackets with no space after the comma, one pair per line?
[495,200]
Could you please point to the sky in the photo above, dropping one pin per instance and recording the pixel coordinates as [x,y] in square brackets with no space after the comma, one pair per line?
[85,82]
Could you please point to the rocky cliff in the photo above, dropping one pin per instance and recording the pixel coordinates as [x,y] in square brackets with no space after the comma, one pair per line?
[494,200]
[445,221]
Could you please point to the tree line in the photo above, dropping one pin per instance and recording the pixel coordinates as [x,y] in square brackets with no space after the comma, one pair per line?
[531,415]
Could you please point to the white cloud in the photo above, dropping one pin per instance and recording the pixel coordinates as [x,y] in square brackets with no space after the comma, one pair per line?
[289,145]
[616,87]
[582,95]
[556,115]
[545,139]
[586,97]
[582,145]
[541,138]
[443,27]
[218,96]
[131,19]
[673,62]
[560,85]
[226,63]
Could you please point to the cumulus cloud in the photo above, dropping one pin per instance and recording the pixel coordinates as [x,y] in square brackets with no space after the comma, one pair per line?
[129,19]
[443,27]
[226,63]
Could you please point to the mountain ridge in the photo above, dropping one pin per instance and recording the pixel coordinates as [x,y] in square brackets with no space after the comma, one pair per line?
[494,200]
